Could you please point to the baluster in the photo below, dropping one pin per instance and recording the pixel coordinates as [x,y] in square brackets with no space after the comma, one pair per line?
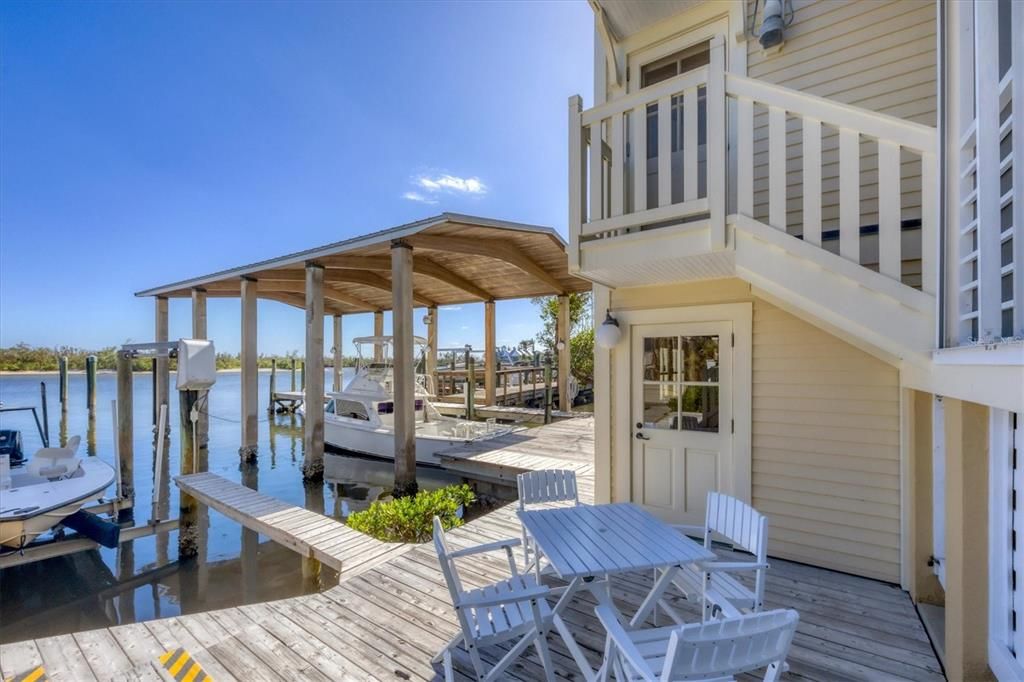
[745,157]
[849,194]
[596,174]
[889,205]
[777,168]
[812,181]
[639,123]
[577,173]
[617,162]
[665,151]
[929,225]
[690,144]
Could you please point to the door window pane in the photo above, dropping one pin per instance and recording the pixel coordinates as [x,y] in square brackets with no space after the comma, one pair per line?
[698,408]
[700,358]
[660,353]
[661,406]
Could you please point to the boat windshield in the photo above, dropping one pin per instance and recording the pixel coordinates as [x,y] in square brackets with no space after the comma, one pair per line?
[375,356]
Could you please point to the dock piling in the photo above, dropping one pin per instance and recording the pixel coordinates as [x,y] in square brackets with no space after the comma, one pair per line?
[46,416]
[547,389]
[470,387]
[271,405]
[62,370]
[90,382]
[188,508]
[125,427]
[293,374]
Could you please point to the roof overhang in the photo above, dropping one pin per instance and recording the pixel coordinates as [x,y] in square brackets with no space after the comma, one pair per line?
[456,259]
[626,17]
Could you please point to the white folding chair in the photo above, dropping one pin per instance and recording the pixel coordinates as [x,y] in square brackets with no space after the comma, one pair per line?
[489,615]
[716,650]
[543,487]
[745,528]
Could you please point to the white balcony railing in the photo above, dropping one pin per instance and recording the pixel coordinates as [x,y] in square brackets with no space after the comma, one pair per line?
[799,163]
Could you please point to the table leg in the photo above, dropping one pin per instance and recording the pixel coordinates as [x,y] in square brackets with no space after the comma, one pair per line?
[652,599]
[570,642]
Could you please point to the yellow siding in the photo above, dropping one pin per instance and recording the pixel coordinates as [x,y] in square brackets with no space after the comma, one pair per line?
[878,55]
[825,435]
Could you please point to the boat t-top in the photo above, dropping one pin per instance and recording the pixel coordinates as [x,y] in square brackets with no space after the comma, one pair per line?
[361,417]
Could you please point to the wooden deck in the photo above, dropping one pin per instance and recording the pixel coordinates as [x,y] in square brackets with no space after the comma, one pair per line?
[312,535]
[505,395]
[385,621]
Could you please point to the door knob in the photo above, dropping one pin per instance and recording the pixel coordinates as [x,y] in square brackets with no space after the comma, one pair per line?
[640,436]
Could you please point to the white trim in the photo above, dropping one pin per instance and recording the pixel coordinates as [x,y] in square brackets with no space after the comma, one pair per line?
[1000,596]
[741,316]
[602,403]
[1006,353]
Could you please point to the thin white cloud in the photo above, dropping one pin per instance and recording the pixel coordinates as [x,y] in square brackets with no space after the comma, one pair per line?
[451,184]
[416,196]
[451,307]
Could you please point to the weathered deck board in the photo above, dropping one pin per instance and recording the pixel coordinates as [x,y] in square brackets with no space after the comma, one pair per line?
[386,619]
[308,533]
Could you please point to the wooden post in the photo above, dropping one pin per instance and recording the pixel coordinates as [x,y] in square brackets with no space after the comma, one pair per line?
[490,356]
[563,343]
[313,376]
[294,362]
[404,371]
[470,387]
[378,330]
[62,370]
[250,376]
[90,383]
[273,385]
[431,369]
[187,505]
[547,389]
[199,332]
[125,431]
[162,380]
[336,350]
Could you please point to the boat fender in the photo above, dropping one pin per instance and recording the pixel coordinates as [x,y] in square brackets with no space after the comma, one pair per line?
[95,528]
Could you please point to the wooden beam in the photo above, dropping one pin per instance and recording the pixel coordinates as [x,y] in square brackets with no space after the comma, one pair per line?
[431,360]
[313,371]
[490,356]
[299,301]
[370,279]
[163,376]
[489,248]
[250,376]
[563,337]
[404,369]
[337,345]
[420,266]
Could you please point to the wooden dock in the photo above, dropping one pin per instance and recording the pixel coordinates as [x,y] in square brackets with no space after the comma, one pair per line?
[312,535]
[505,413]
[385,621]
[523,394]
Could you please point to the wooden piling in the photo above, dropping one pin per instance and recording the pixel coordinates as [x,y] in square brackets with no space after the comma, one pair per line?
[293,373]
[62,371]
[470,387]
[547,389]
[313,384]
[199,331]
[338,358]
[125,432]
[90,382]
[250,372]
[271,405]
[302,372]
[564,340]
[162,380]
[404,370]
[431,360]
[490,356]
[188,508]
[378,330]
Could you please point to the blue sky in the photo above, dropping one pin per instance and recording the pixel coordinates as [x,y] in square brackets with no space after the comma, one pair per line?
[143,143]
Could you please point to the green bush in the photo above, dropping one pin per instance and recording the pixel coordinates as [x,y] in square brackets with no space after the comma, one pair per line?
[410,519]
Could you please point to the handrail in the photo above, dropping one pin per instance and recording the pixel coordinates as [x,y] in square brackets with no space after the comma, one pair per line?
[690,79]
[920,138]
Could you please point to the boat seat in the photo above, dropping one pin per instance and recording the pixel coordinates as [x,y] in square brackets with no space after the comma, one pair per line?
[55,463]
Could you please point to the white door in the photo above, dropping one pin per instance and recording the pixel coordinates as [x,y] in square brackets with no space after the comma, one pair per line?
[681,417]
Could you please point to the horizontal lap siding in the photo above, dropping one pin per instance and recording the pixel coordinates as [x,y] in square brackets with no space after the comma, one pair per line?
[825,435]
[877,55]
[825,439]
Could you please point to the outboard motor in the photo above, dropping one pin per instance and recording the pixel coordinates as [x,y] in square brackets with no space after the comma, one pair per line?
[10,445]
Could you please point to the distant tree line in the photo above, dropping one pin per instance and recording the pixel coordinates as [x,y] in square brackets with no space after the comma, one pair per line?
[25,358]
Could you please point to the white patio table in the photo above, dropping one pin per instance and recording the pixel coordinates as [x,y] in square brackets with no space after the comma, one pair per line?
[588,544]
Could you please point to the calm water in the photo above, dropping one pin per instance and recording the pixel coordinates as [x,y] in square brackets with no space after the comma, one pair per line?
[142,579]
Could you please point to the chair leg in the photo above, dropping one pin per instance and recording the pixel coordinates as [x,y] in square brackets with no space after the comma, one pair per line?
[541,642]
[478,664]
[774,672]
[449,672]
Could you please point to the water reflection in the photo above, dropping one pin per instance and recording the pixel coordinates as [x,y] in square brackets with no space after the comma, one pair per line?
[143,579]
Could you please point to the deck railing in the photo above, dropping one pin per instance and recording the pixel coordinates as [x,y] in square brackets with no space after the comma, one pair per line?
[658,157]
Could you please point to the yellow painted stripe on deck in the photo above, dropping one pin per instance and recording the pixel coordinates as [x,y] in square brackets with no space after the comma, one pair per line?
[182,667]
[34,675]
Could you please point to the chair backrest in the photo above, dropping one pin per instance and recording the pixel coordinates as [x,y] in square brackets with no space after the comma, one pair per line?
[547,485]
[722,648]
[451,574]
[738,522]
[56,462]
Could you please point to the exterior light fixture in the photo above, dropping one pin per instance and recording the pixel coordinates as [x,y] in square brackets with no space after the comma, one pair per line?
[773,24]
[607,335]
[560,345]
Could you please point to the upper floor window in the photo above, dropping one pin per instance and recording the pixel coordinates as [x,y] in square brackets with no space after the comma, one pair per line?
[688,59]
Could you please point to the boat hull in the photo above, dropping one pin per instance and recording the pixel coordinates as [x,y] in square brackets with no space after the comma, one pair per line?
[381,442]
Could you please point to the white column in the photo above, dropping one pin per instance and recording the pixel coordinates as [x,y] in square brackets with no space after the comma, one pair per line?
[313,423]
[404,368]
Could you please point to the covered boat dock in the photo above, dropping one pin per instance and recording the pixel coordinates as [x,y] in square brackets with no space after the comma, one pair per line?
[449,259]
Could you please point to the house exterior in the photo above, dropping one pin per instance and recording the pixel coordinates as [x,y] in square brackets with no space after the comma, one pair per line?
[811,253]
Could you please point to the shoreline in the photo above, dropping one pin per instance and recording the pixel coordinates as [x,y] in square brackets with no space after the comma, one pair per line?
[54,372]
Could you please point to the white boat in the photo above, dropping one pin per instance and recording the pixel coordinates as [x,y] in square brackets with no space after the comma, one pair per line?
[360,418]
[54,484]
